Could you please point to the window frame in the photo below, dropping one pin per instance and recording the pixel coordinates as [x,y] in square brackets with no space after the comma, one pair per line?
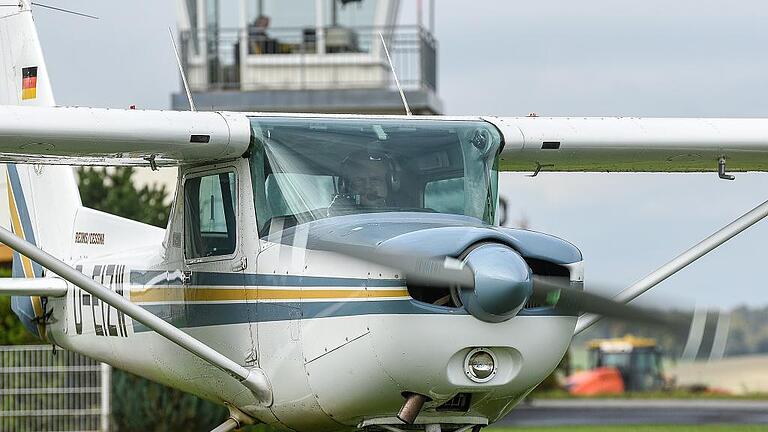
[206,173]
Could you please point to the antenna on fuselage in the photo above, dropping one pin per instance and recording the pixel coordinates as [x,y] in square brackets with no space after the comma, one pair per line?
[63,10]
[394,74]
[181,71]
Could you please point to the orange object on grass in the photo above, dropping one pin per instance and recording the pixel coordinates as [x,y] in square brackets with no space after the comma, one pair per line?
[599,381]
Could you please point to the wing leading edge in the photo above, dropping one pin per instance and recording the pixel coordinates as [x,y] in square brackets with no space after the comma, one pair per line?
[93,136]
[632,144]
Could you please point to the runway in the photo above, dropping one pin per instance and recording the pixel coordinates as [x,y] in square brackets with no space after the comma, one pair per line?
[622,411]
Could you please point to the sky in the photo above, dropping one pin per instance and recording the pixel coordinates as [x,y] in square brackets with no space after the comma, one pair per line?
[588,58]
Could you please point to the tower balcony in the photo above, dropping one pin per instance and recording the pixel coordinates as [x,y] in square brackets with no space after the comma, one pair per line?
[313,69]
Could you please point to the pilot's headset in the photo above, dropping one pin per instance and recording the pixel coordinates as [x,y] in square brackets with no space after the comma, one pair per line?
[373,153]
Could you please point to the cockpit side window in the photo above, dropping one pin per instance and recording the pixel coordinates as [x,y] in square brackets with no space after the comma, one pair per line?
[210,204]
[445,195]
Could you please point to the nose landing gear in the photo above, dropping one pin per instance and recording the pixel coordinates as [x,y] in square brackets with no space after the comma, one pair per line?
[435,427]
[412,406]
[426,424]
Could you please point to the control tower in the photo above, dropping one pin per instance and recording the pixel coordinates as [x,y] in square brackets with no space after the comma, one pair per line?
[320,56]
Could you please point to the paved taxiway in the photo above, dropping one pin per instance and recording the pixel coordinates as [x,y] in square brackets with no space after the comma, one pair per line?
[623,411]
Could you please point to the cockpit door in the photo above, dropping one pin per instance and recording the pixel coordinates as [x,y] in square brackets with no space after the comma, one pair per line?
[213,276]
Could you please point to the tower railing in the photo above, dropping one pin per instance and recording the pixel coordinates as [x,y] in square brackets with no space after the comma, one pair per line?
[247,59]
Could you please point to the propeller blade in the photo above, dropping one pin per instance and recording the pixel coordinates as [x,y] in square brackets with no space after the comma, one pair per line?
[559,294]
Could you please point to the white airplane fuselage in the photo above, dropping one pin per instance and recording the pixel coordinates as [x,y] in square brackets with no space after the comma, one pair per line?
[341,340]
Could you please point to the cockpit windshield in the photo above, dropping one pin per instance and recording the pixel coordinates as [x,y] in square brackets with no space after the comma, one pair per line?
[305,169]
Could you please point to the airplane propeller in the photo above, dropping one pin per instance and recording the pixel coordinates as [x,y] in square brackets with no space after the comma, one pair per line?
[559,294]
[493,282]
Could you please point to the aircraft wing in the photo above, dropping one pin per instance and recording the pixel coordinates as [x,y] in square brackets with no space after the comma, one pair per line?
[94,136]
[632,144]
[91,136]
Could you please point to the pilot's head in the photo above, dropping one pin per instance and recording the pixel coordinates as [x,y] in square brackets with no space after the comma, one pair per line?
[366,177]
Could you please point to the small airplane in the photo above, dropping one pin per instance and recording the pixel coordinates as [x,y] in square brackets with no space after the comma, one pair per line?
[322,272]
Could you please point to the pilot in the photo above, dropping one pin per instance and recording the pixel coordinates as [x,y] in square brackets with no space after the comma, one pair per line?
[367,178]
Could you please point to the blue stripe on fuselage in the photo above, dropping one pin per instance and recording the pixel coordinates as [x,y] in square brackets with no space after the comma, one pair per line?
[22,305]
[25,220]
[202,314]
[21,204]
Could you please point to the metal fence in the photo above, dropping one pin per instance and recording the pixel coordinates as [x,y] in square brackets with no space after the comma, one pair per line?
[40,391]
[216,55]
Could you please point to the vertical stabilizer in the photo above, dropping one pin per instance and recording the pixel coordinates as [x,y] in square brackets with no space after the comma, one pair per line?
[43,200]
[24,79]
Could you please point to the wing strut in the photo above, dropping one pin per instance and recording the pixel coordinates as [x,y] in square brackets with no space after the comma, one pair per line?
[254,379]
[681,261]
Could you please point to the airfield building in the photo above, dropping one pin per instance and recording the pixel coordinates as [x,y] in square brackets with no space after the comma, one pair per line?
[306,56]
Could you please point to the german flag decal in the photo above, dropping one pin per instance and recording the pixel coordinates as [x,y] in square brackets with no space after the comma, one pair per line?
[29,83]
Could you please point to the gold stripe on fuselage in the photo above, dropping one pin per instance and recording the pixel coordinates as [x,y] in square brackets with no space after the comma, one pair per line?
[152,295]
[18,229]
[26,263]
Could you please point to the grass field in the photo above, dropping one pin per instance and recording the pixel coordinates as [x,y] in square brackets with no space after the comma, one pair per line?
[639,428]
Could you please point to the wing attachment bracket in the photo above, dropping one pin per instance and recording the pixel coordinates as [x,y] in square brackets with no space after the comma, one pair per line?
[721,170]
[152,162]
[539,167]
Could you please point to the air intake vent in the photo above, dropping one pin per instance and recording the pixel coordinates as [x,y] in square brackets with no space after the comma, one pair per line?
[458,403]
[200,139]
[545,268]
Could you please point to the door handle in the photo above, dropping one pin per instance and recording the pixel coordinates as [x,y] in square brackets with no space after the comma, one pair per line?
[240,265]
